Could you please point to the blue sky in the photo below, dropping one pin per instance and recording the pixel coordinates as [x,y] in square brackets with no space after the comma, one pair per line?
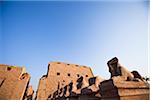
[86,33]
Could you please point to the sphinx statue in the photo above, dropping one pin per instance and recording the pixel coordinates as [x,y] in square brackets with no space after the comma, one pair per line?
[119,72]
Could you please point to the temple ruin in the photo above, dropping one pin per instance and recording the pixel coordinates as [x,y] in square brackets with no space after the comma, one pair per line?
[65,81]
[64,78]
[13,82]
[75,82]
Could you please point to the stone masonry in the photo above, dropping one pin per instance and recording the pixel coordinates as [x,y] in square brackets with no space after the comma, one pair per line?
[59,75]
[74,82]
[65,81]
[13,82]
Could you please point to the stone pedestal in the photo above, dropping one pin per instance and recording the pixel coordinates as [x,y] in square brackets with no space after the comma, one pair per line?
[124,90]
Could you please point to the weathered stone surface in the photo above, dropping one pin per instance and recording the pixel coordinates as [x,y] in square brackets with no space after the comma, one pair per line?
[123,84]
[65,80]
[13,82]
[80,92]
[124,90]
[116,69]
[74,82]
[29,93]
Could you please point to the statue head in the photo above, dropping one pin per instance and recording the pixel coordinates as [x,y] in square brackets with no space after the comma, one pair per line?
[113,66]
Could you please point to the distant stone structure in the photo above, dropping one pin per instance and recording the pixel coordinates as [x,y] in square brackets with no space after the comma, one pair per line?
[64,80]
[13,82]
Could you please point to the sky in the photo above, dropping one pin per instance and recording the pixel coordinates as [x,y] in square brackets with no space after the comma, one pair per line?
[34,33]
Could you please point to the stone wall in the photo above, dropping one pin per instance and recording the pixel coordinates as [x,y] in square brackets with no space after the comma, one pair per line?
[29,93]
[80,90]
[13,82]
[59,75]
